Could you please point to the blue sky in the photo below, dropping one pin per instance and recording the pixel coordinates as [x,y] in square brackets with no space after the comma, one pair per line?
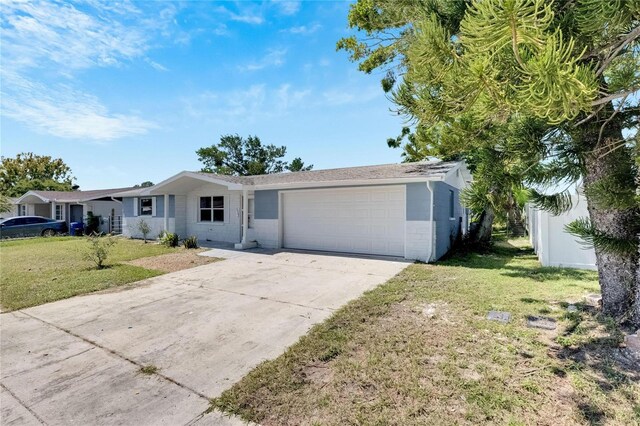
[127,91]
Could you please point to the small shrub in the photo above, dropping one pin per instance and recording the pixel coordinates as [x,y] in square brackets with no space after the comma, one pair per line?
[190,242]
[169,239]
[144,228]
[98,249]
[93,224]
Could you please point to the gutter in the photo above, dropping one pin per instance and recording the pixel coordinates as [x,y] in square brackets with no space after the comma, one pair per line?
[433,223]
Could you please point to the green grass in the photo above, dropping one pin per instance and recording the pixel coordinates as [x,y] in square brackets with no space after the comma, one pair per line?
[40,270]
[149,369]
[418,350]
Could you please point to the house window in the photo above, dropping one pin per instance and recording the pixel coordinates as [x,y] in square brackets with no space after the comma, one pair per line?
[146,207]
[211,209]
[452,206]
[59,212]
[23,210]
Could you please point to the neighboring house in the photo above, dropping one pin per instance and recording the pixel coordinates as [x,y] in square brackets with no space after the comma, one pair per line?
[13,209]
[73,206]
[555,246]
[409,210]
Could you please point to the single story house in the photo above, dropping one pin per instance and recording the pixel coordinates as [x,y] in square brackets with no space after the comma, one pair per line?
[409,210]
[555,246]
[74,206]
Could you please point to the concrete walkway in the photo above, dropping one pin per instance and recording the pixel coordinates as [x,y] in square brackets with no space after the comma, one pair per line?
[77,361]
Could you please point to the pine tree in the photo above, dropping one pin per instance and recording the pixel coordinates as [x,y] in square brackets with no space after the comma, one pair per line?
[573,66]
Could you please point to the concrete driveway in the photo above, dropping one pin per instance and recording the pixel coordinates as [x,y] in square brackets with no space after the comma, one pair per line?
[77,361]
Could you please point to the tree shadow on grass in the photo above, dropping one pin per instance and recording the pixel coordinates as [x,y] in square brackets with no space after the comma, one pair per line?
[494,257]
[591,344]
[545,273]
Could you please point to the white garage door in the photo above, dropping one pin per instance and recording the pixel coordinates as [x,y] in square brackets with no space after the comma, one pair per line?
[367,220]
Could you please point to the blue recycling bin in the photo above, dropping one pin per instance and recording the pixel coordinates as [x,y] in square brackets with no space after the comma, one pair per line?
[76,228]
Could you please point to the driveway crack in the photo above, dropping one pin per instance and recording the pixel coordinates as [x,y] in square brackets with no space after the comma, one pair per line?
[49,363]
[119,355]
[33,413]
[264,298]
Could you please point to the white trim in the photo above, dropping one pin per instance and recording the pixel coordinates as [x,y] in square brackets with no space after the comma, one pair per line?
[155,188]
[225,201]
[136,206]
[432,243]
[245,215]
[26,194]
[345,183]
[405,222]
[153,207]
[62,211]
[166,212]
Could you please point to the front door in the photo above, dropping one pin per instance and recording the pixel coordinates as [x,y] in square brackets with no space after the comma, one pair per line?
[75,214]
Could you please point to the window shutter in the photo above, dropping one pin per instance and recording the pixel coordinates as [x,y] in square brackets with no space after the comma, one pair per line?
[153,206]
[135,206]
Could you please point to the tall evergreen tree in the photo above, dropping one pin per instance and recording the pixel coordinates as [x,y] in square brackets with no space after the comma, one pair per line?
[235,155]
[571,64]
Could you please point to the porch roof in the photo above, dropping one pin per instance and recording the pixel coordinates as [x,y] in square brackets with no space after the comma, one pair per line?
[67,196]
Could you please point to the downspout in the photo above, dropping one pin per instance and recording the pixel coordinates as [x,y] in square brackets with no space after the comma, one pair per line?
[433,223]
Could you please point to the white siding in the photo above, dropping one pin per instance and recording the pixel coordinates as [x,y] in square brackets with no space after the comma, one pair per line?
[229,230]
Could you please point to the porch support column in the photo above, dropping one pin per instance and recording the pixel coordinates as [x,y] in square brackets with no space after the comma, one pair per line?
[245,215]
[166,212]
[53,210]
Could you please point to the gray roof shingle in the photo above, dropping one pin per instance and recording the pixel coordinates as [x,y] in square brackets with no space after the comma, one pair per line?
[77,196]
[384,171]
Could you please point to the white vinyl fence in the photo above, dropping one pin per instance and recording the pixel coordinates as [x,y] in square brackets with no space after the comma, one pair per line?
[555,246]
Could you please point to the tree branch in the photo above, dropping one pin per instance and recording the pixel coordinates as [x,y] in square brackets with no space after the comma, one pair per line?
[628,39]
[615,96]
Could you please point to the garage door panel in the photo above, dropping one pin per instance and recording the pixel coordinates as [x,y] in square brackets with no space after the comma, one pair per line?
[363,220]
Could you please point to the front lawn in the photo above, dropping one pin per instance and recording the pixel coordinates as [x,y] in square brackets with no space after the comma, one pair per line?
[419,350]
[40,270]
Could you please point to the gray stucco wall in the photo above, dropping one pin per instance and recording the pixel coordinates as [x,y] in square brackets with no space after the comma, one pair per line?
[447,229]
[418,201]
[266,204]
[172,206]
[127,207]
[159,206]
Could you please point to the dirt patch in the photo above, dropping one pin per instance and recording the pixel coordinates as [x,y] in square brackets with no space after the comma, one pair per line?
[172,262]
[319,373]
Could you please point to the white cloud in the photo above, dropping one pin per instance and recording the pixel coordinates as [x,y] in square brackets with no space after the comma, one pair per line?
[156,66]
[65,112]
[247,13]
[346,96]
[246,18]
[288,7]
[304,29]
[273,58]
[37,34]
[46,43]
[250,104]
